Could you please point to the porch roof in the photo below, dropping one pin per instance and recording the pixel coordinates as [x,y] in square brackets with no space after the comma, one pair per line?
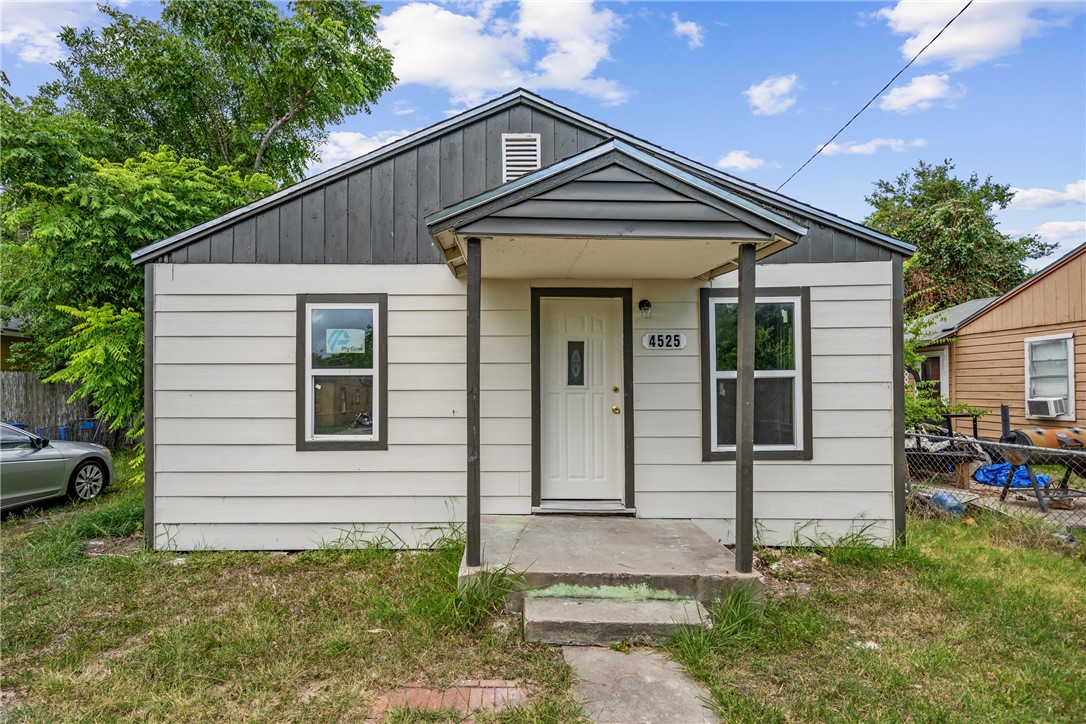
[613,211]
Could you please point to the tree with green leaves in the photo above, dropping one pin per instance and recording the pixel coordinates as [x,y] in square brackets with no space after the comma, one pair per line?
[231,82]
[67,242]
[960,252]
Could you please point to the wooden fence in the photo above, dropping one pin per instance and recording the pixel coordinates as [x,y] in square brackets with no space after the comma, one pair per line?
[27,400]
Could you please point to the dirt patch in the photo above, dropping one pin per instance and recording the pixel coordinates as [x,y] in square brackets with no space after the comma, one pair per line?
[131,643]
[789,575]
[313,690]
[120,546]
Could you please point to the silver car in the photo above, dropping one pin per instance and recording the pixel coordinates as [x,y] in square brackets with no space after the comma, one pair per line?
[34,469]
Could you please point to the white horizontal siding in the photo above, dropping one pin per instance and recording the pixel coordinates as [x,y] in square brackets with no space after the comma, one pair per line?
[225,458]
[228,474]
[227,471]
[315,484]
[851,400]
[825,505]
[307,509]
[295,536]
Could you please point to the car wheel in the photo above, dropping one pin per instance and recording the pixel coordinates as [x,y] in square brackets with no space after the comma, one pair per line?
[87,481]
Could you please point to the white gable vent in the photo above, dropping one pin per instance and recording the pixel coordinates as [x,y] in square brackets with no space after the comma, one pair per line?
[520,155]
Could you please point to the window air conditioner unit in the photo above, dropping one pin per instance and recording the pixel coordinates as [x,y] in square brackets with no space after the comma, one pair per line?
[1046,406]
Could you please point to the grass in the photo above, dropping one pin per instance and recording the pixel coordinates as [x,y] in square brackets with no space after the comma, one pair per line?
[980,622]
[308,636]
[965,623]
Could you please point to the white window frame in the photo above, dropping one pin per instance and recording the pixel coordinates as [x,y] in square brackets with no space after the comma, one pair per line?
[796,373]
[1069,345]
[311,372]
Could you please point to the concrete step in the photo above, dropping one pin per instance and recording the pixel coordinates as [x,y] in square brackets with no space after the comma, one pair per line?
[600,622]
[662,555]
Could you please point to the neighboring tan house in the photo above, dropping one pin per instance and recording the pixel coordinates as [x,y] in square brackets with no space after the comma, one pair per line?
[940,328]
[1025,349]
[536,313]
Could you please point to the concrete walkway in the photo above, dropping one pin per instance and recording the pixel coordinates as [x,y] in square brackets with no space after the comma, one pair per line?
[641,686]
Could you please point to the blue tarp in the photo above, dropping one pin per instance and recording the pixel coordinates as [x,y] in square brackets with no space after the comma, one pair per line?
[997,475]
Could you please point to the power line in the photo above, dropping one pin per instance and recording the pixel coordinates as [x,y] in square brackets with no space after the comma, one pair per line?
[881,91]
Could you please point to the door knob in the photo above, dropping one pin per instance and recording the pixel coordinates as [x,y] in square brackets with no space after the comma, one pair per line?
[616,409]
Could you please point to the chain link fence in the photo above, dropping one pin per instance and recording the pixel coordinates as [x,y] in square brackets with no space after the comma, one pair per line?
[1018,480]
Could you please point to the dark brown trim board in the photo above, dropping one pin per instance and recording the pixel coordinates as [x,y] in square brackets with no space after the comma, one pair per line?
[707,346]
[626,297]
[898,332]
[301,444]
[744,413]
[473,554]
[149,406]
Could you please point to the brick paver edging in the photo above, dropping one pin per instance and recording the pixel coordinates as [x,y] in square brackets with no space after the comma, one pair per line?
[464,698]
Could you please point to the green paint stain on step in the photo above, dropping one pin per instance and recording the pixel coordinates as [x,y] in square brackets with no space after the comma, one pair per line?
[640,592]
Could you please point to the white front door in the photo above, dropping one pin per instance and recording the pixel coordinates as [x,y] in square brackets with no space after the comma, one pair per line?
[581,398]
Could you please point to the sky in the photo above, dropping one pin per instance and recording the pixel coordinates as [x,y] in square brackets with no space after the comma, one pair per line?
[750,88]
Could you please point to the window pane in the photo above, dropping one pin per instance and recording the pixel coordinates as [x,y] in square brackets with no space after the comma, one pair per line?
[331,416]
[575,363]
[774,422]
[342,338]
[774,336]
[1048,369]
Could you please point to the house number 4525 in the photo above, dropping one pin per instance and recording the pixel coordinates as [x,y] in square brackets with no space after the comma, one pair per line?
[664,340]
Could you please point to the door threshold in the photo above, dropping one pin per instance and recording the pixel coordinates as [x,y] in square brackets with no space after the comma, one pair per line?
[583,507]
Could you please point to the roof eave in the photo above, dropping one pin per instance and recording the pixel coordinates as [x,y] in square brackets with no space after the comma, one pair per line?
[512,192]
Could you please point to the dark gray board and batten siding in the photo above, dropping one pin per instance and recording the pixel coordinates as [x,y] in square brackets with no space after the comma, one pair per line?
[376,215]
[613,201]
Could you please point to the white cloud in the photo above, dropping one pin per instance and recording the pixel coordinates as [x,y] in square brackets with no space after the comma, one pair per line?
[740,161]
[1062,230]
[986,31]
[773,95]
[578,38]
[30,29]
[473,56]
[869,147]
[402,108]
[687,29]
[343,146]
[1039,198]
[920,94]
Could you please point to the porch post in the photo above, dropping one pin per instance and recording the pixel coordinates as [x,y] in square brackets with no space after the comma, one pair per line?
[475,278]
[744,415]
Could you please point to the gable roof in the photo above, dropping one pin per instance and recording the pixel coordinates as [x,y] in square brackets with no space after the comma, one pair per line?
[945,323]
[1035,279]
[746,189]
[617,191]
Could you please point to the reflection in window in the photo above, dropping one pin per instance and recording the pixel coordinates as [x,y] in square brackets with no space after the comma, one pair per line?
[777,390]
[341,369]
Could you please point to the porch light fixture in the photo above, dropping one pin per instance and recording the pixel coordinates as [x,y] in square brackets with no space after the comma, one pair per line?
[646,308]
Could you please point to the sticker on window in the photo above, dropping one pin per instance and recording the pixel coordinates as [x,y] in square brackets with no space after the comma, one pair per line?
[575,364]
[345,340]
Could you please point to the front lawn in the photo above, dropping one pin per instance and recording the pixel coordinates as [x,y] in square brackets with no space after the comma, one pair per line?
[968,622]
[981,622]
[310,636]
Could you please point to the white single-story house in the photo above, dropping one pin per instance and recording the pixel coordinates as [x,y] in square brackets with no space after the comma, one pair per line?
[519,310]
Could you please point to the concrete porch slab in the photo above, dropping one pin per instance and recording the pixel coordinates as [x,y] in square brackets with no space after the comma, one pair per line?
[669,555]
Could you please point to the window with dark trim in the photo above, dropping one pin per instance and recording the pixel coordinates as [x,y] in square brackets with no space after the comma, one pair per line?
[782,379]
[342,386]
